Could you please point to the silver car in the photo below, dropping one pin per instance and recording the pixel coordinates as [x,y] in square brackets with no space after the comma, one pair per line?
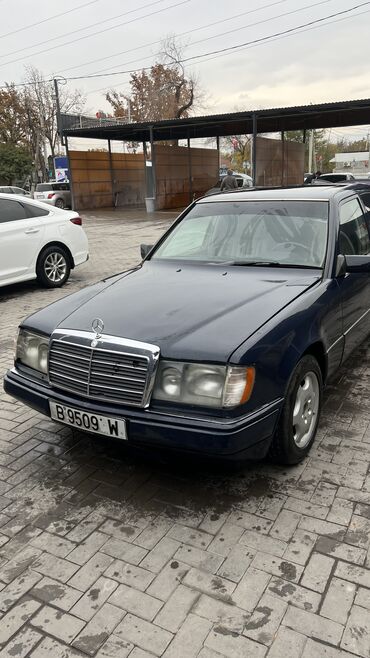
[11,189]
[56,194]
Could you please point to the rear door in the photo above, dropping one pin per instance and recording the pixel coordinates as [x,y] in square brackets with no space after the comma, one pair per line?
[20,239]
[354,238]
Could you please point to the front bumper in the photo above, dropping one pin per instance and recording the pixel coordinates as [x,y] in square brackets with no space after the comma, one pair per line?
[245,437]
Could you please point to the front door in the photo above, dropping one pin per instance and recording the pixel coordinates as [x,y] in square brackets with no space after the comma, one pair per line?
[354,239]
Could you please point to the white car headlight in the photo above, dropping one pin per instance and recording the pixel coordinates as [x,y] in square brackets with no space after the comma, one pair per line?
[203,384]
[32,350]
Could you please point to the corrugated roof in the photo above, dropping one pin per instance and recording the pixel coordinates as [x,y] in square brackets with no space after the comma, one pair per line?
[298,117]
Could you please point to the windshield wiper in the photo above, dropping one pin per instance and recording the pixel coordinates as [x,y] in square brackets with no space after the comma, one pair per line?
[265,263]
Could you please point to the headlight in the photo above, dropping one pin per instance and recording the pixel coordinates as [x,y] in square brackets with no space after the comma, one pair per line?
[32,350]
[203,385]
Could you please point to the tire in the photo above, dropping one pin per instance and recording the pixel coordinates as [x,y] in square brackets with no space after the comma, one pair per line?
[293,440]
[60,204]
[53,267]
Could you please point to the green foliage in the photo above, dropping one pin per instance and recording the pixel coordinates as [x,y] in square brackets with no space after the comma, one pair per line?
[15,163]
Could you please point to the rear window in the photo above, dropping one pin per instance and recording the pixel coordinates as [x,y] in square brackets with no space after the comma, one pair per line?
[44,187]
[61,186]
[35,211]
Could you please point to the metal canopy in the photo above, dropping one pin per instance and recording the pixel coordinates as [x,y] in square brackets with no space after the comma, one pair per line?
[303,117]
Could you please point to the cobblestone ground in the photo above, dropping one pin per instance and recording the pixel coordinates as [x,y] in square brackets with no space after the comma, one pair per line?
[103,553]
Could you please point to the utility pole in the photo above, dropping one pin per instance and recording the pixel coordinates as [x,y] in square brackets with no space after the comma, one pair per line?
[59,119]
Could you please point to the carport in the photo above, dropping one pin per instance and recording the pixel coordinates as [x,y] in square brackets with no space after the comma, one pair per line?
[196,167]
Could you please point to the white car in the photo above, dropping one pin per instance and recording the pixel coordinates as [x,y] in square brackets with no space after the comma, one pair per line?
[242,180]
[39,241]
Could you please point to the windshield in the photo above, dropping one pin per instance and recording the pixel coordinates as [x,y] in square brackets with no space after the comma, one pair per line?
[292,233]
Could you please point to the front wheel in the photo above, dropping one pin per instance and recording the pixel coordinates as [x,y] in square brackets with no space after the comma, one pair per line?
[300,414]
[53,267]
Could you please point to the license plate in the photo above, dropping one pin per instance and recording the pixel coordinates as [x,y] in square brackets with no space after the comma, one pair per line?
[84,420]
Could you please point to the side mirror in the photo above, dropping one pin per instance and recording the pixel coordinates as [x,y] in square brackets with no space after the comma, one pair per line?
[144,250]
[358,264]
[340,269]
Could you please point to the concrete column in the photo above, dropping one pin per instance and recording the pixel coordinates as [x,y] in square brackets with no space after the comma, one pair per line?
[254,149]
[190,173]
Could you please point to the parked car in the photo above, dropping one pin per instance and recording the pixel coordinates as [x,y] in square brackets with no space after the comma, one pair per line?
[37,241]
[56,194]
[243,180]
[10,189]
[333,178]
[220,341]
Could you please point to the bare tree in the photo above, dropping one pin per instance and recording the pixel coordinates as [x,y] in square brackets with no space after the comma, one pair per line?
[40,99]
[166,91]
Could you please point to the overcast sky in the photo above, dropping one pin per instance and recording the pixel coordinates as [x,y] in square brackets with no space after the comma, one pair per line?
[323,63]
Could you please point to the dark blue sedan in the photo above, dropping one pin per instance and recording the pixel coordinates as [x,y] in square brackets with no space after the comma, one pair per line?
[220,342]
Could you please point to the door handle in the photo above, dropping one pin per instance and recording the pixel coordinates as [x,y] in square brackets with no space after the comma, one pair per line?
[32,230]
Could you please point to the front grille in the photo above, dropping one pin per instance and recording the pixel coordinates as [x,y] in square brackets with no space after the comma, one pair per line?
[117,375]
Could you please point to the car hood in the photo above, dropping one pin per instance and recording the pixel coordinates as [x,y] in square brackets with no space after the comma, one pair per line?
[190,311]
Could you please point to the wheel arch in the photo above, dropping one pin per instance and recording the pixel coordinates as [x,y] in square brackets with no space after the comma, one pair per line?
[317,350]
[56,243]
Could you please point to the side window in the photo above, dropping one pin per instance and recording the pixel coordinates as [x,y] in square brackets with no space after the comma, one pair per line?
[353,231]
[34,211]
[366,199]
[10,211]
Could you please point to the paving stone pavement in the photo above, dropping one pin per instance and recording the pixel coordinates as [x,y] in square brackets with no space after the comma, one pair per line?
[107,554]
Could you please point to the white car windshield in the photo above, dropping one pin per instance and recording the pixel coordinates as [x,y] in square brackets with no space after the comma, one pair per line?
[285,233]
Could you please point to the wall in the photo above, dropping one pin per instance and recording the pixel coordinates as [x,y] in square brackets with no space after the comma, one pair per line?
[172,174]
[92,179]
[279,163]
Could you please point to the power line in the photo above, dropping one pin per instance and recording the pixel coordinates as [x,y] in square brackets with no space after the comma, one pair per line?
[285,36]
[229,48]
[248,47]
[266,20]
[45,20]
[243,27]
[260,40]
[181,34]
[245,46]
[81,29]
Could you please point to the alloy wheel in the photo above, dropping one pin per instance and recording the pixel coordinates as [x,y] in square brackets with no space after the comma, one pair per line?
[305,411]
[55,267]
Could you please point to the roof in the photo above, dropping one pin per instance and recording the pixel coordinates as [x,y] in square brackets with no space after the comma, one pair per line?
[304,193]
[322,115]
[359,156]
